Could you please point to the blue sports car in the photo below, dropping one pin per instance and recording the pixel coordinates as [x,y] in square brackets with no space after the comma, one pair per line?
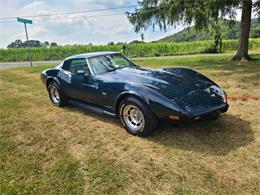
[110,83]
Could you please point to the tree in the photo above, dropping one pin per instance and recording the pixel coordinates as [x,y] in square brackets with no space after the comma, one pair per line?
[135,42]
[33,43]
[110,43]
[142,37]
[242,52]
[256,33]
[53,44]
[121,43]
[45,44]
[203,13]
[16,44]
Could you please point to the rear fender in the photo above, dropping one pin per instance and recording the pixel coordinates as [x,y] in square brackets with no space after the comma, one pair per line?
[50,78]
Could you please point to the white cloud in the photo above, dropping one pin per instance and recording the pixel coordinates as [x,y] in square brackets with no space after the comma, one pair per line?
[71,29]
[106,3]
[36,7]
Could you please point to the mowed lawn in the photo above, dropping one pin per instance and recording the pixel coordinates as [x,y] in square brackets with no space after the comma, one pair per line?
[50,150]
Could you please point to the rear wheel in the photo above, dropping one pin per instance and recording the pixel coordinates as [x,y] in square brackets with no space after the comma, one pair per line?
[55,94]
[137,117]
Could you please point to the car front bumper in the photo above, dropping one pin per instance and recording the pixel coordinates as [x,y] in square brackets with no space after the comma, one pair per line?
[199,113]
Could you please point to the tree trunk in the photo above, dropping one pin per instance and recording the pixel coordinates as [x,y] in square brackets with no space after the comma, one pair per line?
[242,52]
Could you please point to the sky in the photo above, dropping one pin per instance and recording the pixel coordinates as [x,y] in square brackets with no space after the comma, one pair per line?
[73,29]
[95,27]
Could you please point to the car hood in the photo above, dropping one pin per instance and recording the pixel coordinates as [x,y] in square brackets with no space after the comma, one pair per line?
[188,91]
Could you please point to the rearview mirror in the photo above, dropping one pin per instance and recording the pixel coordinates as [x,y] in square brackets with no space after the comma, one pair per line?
[80,72]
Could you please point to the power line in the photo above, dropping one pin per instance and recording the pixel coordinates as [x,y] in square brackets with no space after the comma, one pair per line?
[68,13]
[86,16]
[90,16]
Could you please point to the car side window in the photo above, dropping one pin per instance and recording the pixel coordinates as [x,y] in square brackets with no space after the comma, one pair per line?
[74,65]
[65,65]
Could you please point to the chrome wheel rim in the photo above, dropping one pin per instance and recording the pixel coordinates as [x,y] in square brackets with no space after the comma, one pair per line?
[54,93]
[133,118]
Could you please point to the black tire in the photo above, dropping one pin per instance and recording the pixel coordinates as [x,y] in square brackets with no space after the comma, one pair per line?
[62,98]
[150,121]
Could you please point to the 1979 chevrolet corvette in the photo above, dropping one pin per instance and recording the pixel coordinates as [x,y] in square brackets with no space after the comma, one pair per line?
[109,83]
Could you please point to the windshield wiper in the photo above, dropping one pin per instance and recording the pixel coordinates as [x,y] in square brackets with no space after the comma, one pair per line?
[112,69]
[127,66]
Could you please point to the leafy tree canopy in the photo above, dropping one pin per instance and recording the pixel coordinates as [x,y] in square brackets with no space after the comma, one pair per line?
[201,13]
[33,43]
[169,12]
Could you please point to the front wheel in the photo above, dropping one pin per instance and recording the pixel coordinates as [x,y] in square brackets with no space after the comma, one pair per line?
[56,96]
[136,117]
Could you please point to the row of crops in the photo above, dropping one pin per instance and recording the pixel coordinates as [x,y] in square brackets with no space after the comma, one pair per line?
[135,50]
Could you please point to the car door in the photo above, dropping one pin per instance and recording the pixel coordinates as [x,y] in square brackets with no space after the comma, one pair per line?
[81,85]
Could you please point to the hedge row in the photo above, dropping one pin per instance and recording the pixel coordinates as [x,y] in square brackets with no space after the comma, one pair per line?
[135,50]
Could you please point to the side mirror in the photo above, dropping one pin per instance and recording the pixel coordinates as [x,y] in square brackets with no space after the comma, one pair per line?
[81,72]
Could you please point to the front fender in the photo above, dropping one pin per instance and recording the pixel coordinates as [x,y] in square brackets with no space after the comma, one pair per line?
[186,73]
[159,105]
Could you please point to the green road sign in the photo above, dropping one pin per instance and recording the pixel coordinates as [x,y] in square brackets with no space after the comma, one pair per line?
[26,21]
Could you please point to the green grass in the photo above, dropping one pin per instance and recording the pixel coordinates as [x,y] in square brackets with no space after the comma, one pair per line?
[36,69]
[135,50]
[194,61]
[50,150]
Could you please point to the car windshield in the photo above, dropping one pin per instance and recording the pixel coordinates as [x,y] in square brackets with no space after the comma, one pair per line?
[108,63]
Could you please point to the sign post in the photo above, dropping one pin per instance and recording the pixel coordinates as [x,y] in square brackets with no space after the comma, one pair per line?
[26,21]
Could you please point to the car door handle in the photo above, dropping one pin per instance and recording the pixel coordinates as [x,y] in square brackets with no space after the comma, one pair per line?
[95,86]
[105,92]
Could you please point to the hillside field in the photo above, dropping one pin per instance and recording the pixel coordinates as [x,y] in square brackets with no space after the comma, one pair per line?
[228,30]
[50,150]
